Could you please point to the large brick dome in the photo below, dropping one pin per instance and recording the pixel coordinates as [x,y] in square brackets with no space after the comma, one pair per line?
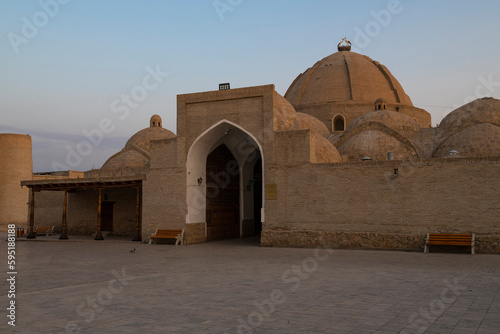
[346,85]
[346,77]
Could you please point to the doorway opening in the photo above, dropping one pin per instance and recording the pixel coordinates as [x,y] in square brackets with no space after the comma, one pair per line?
[224,182]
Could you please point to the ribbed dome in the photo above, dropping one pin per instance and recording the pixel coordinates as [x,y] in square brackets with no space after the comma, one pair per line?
[346,76]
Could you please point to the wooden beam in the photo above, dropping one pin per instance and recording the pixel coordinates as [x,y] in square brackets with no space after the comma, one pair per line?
[137,216]
[99,236]
[64,234]
[32,234]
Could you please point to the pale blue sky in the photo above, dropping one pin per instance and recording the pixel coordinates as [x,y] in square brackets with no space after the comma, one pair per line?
[84,55]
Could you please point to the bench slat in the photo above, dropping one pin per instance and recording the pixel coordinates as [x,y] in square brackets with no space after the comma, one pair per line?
[450,235]
[450,243]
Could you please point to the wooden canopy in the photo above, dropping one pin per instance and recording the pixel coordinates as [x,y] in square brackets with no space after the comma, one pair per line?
[70,185]
[85,183]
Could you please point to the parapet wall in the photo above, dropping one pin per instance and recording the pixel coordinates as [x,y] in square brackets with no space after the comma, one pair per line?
[384,204]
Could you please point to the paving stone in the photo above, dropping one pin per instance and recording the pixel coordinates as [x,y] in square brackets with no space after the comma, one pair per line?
[220,287]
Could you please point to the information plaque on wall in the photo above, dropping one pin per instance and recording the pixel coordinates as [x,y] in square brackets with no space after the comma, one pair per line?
[271,191]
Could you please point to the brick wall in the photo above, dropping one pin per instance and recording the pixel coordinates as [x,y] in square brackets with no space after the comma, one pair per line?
[82,211]
[362,205]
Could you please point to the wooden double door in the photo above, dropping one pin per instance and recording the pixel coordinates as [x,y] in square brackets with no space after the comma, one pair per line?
[107,216]
[223,195]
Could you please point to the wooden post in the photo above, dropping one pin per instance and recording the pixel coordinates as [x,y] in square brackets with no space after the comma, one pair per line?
[32,234]
[64,234]
[99,236]
[137,216]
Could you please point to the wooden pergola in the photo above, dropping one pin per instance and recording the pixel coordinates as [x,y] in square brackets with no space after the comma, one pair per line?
[70,185]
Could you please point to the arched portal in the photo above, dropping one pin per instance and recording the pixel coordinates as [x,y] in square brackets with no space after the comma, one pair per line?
[230,153]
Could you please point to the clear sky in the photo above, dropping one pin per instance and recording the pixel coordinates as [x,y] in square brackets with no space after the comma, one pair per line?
[66,65]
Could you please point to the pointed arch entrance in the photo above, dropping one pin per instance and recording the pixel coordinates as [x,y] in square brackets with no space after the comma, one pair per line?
[222,178]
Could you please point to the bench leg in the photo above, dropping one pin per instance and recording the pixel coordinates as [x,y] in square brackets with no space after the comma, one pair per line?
[426,249]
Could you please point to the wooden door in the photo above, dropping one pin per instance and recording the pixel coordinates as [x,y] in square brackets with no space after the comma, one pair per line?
[223,195]
[257,196]
[107,216]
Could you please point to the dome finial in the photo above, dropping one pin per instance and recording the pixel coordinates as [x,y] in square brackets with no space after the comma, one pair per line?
[344,45]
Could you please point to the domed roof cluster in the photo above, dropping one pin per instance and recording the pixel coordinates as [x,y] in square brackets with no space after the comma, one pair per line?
[354,108]
[472,130]
[134,158]
[368,114]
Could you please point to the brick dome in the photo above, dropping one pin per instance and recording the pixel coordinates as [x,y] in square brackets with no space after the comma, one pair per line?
[134,157]
[346,77]
[481,140]
[401,123]
[374,144]
[485,110]
[142,138]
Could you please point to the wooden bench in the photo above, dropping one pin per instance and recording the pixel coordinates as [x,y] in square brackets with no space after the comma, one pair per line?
[450,240]
[47,230]
[178,235]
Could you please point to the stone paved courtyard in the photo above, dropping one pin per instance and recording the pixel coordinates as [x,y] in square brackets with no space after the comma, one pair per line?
[235,286]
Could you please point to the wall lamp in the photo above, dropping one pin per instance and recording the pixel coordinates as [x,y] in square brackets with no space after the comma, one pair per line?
[200,180]
[396,173]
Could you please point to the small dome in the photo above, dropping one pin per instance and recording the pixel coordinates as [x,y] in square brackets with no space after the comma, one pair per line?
[485,110]
[126,159]
[284,115]
[482,140]
[155,121]
[134,157]
[374,144]
[322,150]
[142,138]
[305,121]
[399,122]
[346,76]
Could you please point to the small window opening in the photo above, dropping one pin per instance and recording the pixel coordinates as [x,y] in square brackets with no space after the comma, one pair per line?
[339,123]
